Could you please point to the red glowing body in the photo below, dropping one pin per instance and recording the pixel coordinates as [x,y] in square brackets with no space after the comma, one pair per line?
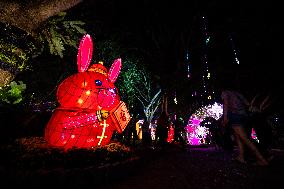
[89,102]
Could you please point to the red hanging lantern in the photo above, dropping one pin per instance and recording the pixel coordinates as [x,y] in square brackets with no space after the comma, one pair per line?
[89,104]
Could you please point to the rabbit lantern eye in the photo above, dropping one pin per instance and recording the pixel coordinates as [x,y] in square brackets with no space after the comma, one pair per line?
[98,82]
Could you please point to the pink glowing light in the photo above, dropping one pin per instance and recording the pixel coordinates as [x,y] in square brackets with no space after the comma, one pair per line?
[90,109]
[114,70]
[85,52]
[195,121]
[196,134]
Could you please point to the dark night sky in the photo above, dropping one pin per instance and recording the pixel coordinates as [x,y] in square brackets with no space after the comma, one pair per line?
[255,26]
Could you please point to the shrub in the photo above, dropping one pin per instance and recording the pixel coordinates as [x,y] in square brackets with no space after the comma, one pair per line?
[36,153]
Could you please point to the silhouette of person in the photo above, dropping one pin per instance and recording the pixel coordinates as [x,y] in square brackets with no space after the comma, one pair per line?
[216,135]
[179,130]
[162,130]
[235,115]
[131,132]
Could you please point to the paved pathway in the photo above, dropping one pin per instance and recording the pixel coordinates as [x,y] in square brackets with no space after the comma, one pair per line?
[174,168]
[201,168]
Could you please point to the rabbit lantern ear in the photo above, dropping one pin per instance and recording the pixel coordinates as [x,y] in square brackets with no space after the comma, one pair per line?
[85,53]
[114,70]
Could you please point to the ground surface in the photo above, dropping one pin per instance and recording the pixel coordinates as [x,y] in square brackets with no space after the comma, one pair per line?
[174,168]
[203,168]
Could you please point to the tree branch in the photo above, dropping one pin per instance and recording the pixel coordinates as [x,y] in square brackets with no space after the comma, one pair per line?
[29,15]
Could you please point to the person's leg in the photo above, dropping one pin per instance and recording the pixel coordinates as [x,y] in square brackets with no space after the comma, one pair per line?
[264,135]
[228,142]
[239,130]
[240,146]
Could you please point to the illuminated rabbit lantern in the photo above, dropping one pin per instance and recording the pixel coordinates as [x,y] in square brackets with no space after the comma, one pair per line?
[90,108]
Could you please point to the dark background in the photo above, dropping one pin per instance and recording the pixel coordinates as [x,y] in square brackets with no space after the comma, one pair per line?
[255,28]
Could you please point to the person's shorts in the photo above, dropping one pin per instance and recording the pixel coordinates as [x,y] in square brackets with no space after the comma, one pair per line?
[237,119]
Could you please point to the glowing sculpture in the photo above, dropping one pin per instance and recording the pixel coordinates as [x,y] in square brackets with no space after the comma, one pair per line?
[90,107]
[171,134]
[196,134]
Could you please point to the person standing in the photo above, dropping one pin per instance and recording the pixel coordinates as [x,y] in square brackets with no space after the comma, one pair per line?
[179,131]
[162,130]
[131,132]
[235,115]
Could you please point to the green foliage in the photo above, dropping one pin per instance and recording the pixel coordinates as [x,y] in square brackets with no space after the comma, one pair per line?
[135,84]
[138,85]
[132,80]
[13,56]
[16,48]
[13,93]
[58,32]
[107,51]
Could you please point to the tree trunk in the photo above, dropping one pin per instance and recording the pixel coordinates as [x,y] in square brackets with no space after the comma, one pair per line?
[28,15]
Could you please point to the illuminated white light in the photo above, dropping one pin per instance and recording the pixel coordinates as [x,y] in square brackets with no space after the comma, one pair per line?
[111,90]
[103,132]
[80,101]
[175,100]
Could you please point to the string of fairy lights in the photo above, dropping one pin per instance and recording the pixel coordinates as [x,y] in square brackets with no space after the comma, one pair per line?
[206,74]
[188,64]
[236,60]
[195,132]
[207,92]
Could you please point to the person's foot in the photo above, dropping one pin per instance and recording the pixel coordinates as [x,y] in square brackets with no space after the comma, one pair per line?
[270,158]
